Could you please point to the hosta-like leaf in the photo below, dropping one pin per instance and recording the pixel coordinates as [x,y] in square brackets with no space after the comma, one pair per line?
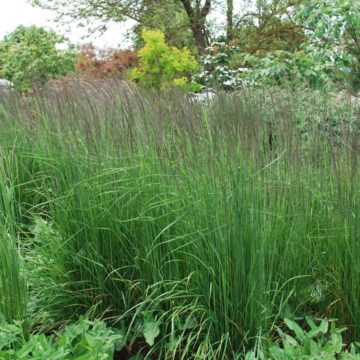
[292,325]
[150,331]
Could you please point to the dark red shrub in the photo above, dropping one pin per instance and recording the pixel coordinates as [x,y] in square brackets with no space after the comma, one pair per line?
[103,63]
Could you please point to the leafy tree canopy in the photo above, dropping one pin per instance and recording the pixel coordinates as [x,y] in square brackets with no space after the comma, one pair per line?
[33,55]
[85,11]
[264,26]
[171,19]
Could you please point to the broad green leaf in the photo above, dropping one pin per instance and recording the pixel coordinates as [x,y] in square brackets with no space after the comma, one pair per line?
[292,325]
[150,331]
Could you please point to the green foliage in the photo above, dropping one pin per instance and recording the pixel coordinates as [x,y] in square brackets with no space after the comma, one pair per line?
[171,19]
[47,277]
[223,68]
[187,227]
[335,30]
[31,55]
[333,21]
[178,18]
[161,66]
[84,340]
[316,42]
[322,341]
[267,26]
[220,70]
[13,297]
[319,69]
[151,330]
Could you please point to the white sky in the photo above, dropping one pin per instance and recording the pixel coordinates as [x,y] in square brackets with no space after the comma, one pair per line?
[20,12]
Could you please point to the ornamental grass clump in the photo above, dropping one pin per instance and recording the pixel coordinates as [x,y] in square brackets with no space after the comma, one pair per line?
[203,225]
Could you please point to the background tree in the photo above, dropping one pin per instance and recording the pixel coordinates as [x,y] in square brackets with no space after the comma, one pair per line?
[229,20]
[118,11]
[175,27]
[33,55]
[197,15]
[268,25]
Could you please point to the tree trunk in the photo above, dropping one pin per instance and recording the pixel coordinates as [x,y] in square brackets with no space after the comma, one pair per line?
[229,21]
[197,19]
[200,37]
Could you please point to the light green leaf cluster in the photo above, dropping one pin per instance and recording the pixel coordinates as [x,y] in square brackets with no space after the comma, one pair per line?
[323,340]
[84,340]
[162,66]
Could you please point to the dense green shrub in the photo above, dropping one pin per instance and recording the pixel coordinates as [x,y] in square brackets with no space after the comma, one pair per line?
[161,66]
[219,70]
[320,69]
[226,67]
[334,29]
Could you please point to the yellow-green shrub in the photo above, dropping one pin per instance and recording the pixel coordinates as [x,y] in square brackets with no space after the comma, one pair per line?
[162,66]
